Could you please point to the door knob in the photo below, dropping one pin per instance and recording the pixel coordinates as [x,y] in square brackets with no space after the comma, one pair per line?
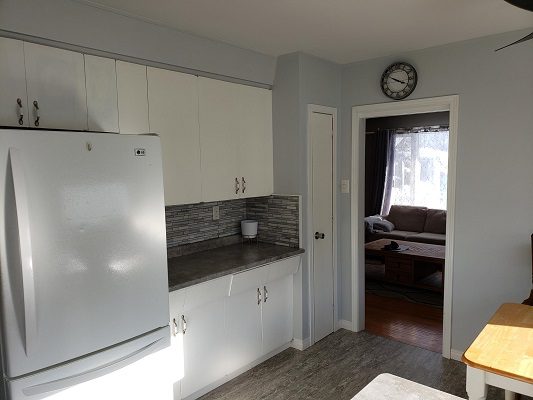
[319,235]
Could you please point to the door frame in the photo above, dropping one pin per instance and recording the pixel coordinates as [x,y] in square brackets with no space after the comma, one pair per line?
[314,108]
[359,116]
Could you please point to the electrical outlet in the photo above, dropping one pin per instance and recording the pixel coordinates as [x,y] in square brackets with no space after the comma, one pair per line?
[216,213]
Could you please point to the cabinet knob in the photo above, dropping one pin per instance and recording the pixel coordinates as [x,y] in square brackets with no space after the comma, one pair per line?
[21,114]
[36,111]
[258,296]
[265,291]
[237,186]
[243,185]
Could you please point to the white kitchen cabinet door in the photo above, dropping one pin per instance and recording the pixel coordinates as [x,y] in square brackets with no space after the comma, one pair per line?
[176,305]
[101,84]
[255,142]
[243,318]
[56,88]
[13,84]
[220,107]
[173,110]
[204,341]
[132,91]
[277,312]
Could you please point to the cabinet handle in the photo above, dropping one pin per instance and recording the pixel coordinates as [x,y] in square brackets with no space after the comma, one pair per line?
[243,185]
[21,114]
[258,296]
[183,324]
[237,187]
[37,116]
[174,327]
[266,294]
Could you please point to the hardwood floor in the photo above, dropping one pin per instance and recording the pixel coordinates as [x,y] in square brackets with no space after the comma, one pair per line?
[339,366]
[411,323]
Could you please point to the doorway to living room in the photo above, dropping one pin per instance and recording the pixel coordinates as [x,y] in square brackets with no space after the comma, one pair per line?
[406,174]
[416,185]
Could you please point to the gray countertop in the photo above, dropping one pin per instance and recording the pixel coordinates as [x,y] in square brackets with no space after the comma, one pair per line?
[199,267]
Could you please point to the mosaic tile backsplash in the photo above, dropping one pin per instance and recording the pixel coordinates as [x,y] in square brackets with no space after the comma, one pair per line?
[278,218]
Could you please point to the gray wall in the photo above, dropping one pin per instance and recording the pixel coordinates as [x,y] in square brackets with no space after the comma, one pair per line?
[494,197]
[74,23]
[300,80]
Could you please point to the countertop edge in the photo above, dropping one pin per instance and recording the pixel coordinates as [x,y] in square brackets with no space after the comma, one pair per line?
[240,268]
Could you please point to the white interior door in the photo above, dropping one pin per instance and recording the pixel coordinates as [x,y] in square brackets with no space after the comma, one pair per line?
[321,132]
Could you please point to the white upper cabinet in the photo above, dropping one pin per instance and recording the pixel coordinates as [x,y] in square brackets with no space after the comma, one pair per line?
[56,88]
[173,110]
[13,84]
[220,109]
[236,140]
[255,142]
[132,98]
[101,84]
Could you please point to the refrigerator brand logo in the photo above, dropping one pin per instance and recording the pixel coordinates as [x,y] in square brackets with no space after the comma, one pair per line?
[140,152]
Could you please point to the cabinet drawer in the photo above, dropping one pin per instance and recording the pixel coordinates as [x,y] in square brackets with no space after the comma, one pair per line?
[282,268]
[207,292]
[247,280]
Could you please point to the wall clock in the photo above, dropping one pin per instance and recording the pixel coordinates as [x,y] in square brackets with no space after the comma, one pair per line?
[399,80]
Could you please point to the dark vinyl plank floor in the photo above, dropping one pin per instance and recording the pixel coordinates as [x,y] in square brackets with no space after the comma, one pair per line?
[339,366]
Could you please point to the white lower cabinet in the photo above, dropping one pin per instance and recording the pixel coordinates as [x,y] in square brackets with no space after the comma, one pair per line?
[243,318]
[225,326]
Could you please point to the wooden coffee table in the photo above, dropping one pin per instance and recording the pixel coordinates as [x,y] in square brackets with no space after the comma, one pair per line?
[411,267]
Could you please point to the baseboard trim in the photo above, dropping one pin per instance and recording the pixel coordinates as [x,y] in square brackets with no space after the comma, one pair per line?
[300,344]
[456,354]
[342,323]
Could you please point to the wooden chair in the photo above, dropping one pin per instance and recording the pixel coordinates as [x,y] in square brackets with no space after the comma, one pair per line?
[529,301]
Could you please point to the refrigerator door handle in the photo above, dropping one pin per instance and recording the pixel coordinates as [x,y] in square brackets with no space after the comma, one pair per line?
[26,259]
[68,381]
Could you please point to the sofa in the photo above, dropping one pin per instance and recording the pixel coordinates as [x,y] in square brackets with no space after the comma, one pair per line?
[410,223]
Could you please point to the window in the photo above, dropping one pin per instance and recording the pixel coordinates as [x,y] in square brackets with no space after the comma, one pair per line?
[419,170]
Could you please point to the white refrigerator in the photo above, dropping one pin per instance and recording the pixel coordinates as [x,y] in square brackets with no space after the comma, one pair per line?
[83,266]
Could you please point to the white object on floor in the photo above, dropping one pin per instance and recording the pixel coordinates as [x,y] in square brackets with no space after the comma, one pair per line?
[391,387]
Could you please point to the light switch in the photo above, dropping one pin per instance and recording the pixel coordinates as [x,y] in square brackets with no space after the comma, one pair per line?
[216,213]
[345,186]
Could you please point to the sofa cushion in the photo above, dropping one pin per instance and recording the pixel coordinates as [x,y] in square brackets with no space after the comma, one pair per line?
[408,218]
[427,237]
[435,221]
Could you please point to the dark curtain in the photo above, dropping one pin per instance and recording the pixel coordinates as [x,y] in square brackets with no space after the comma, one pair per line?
[378,157]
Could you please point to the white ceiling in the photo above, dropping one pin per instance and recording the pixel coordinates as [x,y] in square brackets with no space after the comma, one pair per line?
[338,30]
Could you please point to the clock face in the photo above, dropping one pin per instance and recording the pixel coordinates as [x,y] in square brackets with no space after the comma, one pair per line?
[399,80]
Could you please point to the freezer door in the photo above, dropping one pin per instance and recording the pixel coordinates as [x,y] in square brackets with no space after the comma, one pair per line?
[82,244]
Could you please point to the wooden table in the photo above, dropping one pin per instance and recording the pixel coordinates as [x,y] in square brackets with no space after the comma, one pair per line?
[410,267]
[502,354]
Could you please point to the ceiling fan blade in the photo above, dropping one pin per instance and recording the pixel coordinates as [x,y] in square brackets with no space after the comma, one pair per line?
[525,38]
[525,4]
